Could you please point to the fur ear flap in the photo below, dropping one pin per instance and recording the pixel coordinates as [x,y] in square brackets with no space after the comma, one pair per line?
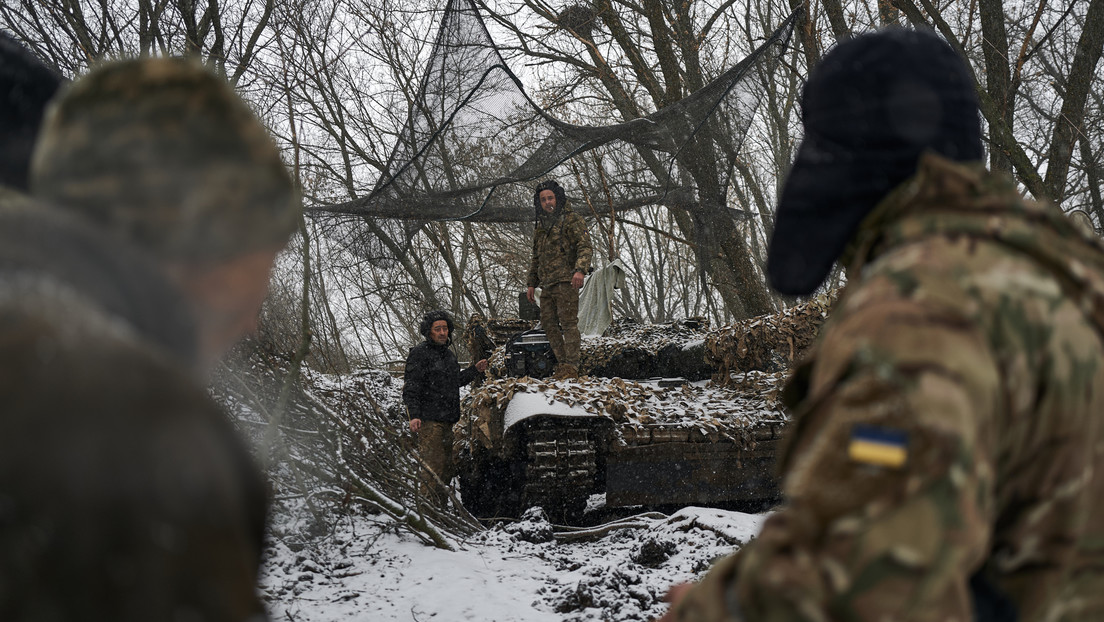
[557,189]
[432,317]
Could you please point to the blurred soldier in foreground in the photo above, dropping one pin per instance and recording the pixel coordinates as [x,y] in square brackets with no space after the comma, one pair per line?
[44,245]
[164,154]
[561,258]
[431,392]
[125,492]
[946,457]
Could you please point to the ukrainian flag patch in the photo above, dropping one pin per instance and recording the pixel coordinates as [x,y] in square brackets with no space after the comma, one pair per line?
[879,446]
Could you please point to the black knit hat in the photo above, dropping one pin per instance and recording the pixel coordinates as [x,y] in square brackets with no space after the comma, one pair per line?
[870,108]
[26,86]
[432,318]
[557,189]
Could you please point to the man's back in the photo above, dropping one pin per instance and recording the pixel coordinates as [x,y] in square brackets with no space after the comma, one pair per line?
[948,421]
[124,491]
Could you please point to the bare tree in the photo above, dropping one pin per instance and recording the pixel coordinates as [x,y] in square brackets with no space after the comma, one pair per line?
[71,35]
[632,59]
[1065,45]
[336,79]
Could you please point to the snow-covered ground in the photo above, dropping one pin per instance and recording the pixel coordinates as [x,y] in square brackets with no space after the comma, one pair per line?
[366,569]
[336,561]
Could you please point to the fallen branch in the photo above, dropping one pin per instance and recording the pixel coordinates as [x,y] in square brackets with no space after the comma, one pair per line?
[646,520]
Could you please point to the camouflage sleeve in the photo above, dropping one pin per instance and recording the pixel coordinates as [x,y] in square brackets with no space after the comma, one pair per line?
[581,239]
[889,480]
[533,280]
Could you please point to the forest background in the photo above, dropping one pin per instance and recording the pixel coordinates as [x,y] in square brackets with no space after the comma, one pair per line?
[335,81]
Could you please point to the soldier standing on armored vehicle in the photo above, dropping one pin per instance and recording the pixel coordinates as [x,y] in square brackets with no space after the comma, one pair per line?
[431,386]
[945,460]
[561,258]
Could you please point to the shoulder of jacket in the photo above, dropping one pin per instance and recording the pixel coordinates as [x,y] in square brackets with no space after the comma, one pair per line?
[574,222]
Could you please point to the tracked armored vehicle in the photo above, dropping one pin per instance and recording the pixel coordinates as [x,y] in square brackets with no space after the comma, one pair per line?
[665,414]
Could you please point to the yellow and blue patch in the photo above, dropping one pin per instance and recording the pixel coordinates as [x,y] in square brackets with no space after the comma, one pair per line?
[879,446]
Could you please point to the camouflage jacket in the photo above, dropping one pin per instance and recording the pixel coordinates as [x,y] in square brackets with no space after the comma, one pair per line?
[561,247]
[947,448]
[126,493]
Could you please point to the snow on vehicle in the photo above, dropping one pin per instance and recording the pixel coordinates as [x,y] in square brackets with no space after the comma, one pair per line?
[664,414]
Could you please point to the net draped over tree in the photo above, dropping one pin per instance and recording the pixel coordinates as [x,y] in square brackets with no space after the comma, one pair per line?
[474,135]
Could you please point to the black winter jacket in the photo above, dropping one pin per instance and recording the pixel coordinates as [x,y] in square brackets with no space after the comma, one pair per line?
[431,390]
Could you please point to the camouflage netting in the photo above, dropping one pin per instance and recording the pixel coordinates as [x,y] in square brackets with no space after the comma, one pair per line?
[482,336]
[632,350]
[700,412]
[688,348]
[767,342]
[474,136]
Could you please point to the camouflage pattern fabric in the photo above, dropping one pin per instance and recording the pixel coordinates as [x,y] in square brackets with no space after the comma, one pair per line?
[480,344]
[947,423]
[561,246]
[165,154]
[435,441]
[559,308]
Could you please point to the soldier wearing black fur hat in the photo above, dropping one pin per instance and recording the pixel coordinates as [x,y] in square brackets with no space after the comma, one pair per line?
[945,458]
[561,258]
[432,382]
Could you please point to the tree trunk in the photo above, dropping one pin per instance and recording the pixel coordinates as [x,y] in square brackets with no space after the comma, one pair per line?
[997,67]
[1067,127]
[834,10]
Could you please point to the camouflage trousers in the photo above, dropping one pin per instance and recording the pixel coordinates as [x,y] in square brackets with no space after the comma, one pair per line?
[559,314]
[435,448]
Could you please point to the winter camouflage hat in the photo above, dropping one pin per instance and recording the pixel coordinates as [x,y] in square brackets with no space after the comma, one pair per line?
[164,152]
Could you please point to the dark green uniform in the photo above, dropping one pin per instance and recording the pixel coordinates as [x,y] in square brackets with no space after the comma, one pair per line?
[948,447]
[561,247]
